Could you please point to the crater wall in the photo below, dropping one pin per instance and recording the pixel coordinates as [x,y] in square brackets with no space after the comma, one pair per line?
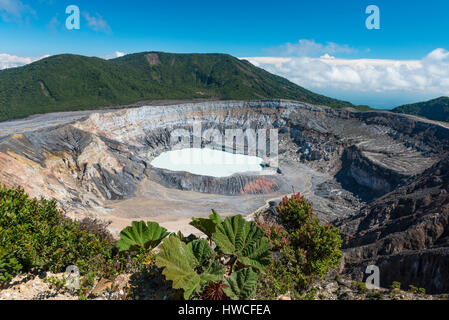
[380,176]
[106,155]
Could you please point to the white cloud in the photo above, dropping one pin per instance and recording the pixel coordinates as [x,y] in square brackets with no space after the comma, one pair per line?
[14,10]
[427,76]
[116,54]
[97,23]
[11,61]
[310,48]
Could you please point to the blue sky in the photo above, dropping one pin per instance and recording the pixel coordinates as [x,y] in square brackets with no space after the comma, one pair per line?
[299,30]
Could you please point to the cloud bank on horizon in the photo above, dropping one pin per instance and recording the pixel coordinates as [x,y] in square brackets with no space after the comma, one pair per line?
[378,82]
[10,61]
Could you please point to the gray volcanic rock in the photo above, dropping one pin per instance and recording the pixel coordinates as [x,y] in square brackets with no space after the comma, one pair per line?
[405,233]
[233,185]
[105,155]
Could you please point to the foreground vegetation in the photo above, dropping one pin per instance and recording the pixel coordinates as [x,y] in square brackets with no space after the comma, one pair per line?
[307,250]
[71,82]
[35,237]
[236,259]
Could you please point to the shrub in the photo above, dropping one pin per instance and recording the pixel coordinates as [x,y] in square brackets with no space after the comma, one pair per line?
[35,236]
[230,269]
[376,295]
[396,286]
[413,289]
[306,249]
[97,227]
[416,290]
[359,286]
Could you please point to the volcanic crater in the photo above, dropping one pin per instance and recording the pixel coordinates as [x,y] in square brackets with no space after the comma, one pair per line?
[348,163]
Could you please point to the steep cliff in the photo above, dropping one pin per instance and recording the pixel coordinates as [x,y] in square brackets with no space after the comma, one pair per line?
[405,233]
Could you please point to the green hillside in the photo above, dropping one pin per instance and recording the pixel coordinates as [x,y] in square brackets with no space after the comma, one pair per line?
[437,109]
[71,82]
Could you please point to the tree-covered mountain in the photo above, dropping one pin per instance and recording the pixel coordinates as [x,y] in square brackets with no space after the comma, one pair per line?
[72,82]
[437,109]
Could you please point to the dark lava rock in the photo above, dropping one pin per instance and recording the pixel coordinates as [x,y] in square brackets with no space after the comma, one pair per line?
[404,233]
[233,185]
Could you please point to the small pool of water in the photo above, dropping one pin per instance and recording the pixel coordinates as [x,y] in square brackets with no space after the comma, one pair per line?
[207,162]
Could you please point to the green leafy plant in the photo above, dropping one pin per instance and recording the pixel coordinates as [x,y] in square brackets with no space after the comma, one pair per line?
[207,226]
[244,241]
[141,236]
[359,286]
[395,287]
[242,285]
[413,289]
[241,251]
[188,266]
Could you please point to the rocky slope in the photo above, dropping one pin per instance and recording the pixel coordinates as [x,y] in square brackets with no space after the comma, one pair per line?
[382,175]
[405,233]
[137,287]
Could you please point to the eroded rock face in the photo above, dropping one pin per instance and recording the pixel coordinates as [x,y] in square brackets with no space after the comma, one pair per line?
[405,233]
[383,175]
[104,156]
[234,185]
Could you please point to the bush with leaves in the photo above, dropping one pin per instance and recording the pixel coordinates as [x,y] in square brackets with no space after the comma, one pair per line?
[35,236]
[230,269]
[306,248]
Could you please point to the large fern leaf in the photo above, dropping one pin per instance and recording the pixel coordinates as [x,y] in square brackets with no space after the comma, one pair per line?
[245,240]
[190,266]
[141,235]
[242,285]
